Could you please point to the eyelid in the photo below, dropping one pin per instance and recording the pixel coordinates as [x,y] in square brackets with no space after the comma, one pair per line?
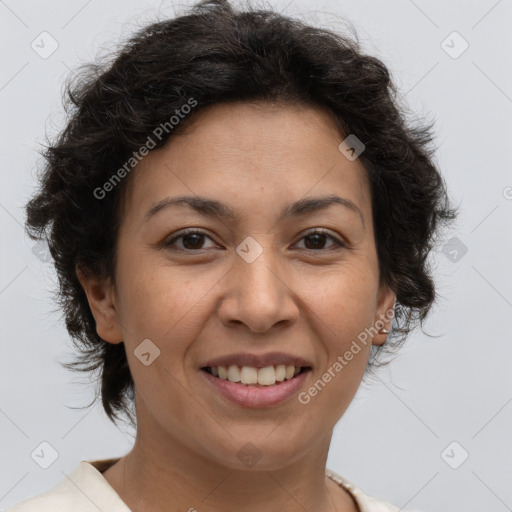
[340,243]
[323,231]
[187,231]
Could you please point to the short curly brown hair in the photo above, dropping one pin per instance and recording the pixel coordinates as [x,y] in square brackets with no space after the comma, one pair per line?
[217,54]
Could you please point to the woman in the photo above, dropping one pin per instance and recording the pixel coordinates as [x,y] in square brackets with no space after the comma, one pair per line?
[237,212]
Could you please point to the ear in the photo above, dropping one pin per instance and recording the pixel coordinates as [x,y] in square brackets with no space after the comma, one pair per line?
[101,297]
[385,314]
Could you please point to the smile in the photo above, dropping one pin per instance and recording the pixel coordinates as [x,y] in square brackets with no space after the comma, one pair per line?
[256,387]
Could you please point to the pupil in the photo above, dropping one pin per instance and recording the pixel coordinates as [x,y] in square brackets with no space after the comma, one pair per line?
[191,235]
[315,244]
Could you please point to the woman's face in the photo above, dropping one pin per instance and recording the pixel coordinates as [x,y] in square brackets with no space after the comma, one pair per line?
[286,289]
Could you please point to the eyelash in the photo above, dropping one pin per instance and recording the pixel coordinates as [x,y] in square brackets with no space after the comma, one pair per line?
[198,232]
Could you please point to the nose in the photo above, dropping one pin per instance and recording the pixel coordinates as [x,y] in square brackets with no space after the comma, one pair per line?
[259,294]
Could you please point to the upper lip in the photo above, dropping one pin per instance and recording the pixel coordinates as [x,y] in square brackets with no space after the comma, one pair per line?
[257,360]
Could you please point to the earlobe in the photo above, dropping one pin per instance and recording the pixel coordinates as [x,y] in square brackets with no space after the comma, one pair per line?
[101,298]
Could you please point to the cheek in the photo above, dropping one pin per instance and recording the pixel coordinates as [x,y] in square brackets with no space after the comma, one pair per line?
[344,310]
[344,300]
[166,304]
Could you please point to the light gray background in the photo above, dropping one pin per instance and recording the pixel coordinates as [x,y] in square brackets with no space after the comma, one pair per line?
[456,387]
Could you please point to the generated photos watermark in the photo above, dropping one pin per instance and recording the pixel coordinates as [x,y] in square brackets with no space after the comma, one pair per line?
[342,360]
[159,132]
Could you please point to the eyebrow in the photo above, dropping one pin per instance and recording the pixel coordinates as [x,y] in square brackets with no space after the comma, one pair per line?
[213,208]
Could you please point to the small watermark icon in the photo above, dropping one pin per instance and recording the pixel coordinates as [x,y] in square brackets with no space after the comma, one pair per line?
[454,45]
[249,249]
[146,352]
[454,455]
[41,250]
[44,45]
[351,147]
[44,455]
[249,455]
[454,249]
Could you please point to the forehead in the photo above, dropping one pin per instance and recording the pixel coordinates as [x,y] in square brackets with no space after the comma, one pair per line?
[249,153]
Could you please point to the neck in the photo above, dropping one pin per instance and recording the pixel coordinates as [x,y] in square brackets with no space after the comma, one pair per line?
[155,474]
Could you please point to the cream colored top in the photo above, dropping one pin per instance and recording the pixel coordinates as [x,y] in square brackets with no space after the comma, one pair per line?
[86,490]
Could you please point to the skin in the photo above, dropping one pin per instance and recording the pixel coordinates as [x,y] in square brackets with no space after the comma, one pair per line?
[297,297]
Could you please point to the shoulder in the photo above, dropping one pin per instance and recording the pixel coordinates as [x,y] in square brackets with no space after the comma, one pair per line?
[83,490]
[60,498]
[45,502]
[365,502]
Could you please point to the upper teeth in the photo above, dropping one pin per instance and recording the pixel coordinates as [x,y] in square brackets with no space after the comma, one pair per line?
[251,375]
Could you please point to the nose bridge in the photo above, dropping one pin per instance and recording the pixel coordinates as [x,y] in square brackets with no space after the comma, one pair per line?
[257,264]
[258,295]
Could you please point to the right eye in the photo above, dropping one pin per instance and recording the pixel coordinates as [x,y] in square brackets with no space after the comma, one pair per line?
[191,240]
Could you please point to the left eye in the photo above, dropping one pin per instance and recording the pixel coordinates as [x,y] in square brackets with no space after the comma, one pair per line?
[318,237]
[191,240]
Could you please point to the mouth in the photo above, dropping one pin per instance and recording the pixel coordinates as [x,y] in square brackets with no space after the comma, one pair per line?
[256,387]
[252,376]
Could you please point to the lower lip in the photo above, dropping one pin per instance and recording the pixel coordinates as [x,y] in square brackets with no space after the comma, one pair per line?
[257,396]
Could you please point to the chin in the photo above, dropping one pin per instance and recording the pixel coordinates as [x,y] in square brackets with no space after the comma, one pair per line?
[252,453]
